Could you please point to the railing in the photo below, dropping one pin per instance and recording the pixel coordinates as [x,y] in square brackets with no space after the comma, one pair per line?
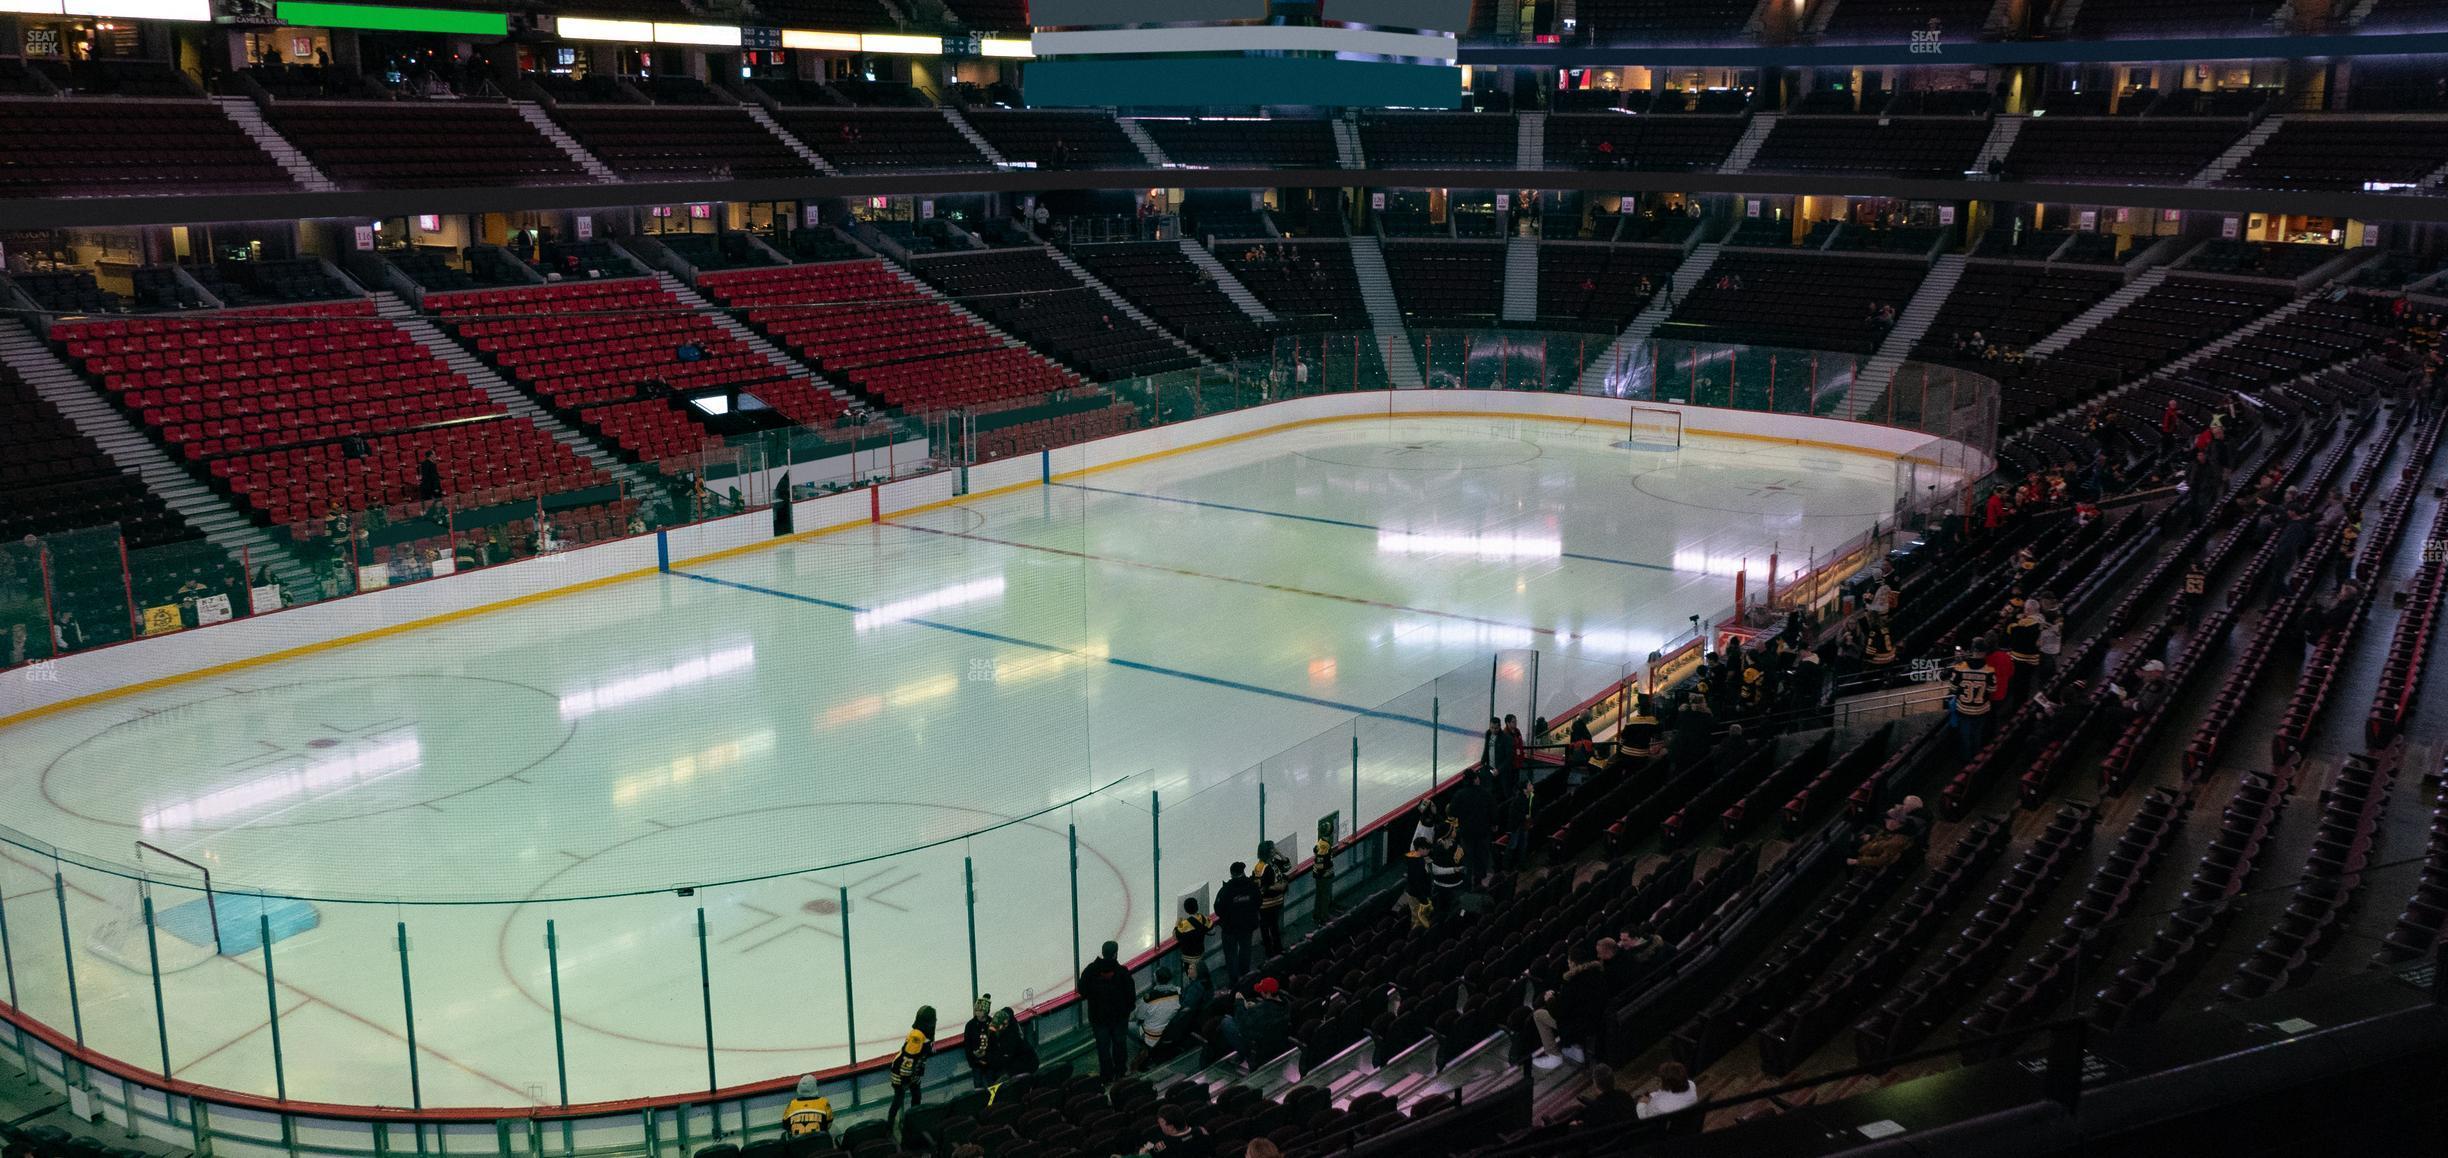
[578,1000]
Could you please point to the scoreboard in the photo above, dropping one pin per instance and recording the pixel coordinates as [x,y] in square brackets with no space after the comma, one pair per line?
[1207,53]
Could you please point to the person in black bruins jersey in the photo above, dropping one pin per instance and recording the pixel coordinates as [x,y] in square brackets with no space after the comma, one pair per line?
[1321,871]
[1640,736]
[1190,935]
[909,1065]
[1273,872]
[1878,642]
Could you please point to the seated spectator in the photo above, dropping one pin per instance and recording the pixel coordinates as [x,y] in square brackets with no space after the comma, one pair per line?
[1175,1133]
[1883,849]
[1675,1093]
[1157,1009]
[809,1111]
[1607,1102]
[1262,1027]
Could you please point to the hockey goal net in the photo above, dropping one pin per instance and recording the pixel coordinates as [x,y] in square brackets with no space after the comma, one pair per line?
[186,927]
[1654,428]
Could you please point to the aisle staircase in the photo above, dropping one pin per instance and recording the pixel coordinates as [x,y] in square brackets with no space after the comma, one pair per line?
[1225,281]
[2217,171]
[1147,145]
[1610,372]
[1747,149]
[1521,279]
[1530,144]
[249,118]
[463,362]
[1348,153]
[975,138]
[1385,313]
[132,449]
[756,112]
[2100,311]
[534,114]
[2002,134]
[773,353]
[1123,305]
[1912,324]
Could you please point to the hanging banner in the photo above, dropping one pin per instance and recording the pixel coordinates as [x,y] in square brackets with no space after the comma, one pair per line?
[1504,201]
[1377,201]
[162,620]
[2090,220]
[365,238]
[1751,208]
[812,214]
[214,609]
[586,227]
[1946,215]
[2230,227]
[926,211]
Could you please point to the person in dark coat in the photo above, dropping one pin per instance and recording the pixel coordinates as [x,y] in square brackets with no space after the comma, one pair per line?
[429,479]
[976,1039]
[1474,814]
[1236,910]
[1105,988]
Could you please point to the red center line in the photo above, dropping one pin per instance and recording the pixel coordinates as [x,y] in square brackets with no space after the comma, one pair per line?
[1279,587]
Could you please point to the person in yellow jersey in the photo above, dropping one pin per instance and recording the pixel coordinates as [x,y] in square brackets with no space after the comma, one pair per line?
[909,1066]
[1878,641]
[1640,736]
[1190,935]
[809,1111]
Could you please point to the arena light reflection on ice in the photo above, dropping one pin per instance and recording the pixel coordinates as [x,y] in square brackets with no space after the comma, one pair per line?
[1483,546]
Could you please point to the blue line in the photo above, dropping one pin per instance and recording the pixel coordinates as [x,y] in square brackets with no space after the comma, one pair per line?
[1128,664]
[1372,527]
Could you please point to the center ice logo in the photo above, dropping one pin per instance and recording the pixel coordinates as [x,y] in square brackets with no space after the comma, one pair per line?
[1925,42]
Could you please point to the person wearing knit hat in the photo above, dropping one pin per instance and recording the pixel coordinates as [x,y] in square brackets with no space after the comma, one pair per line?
[809,1111]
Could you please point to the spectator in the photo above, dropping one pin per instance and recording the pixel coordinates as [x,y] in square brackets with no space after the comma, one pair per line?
[1262,1027]
[976,1036]
[1446,877]
[1190,935]
[1518,812]
[1581,1003]
[1274,877]
[809,1111]
[1517,754]
[1474,814]
[1175,1133]
[429,479]
[1974,683]
[1913,814]
[908,1070]
[1321,874]
[1261,1148]
[1418,882]
[1607,1102]
[1105,988]
[1675,1093]
[1012,1054]
[1884,849]
[1639,735]
[1237,907]
[1546,1017]
[1155,1012]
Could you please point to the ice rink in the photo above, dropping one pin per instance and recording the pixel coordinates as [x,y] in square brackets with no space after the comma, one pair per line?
[779,728]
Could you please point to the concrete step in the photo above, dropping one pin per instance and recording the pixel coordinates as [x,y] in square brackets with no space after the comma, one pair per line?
[1614,371]
[534,114]
[1225,281]
[127,445]
[1385,313]
[242,111]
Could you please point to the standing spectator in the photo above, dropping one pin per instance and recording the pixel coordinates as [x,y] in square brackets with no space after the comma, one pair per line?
[1105,987]
[1274,877]
[1012,1055]
[2023,643]
[909,1066]
[1446,877]
[975,1036]
[1640,735]
[1190,936]
[1321,874]
[2003,667]
[1675,1092]
[1155,1012]
[1237,907]
[1517,756]
[1418,882]
[1974,684]
[1474,816]
[429,480]
[1519,811]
